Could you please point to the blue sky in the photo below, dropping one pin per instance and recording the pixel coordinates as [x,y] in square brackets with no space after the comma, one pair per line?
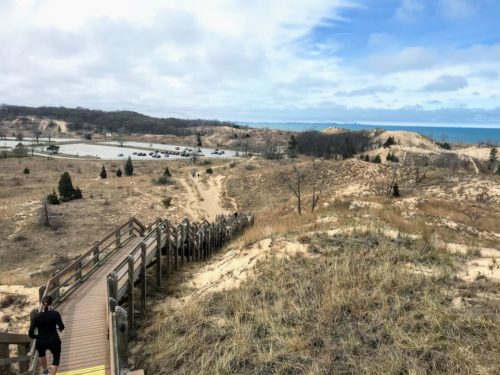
[432,61]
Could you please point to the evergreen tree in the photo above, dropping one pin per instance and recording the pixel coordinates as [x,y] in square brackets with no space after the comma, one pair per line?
[390,141]
[377,159]
[167,172]
[129,168]
[198,140]
[395,190]
[367,158]
[65,188]
[118,172]
[493,155]
[103,174]
[26,171]
[292,147]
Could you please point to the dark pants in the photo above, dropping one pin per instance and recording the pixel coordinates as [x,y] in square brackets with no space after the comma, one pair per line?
[54,347]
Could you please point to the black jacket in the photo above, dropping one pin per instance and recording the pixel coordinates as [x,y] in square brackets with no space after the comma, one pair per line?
[47,323]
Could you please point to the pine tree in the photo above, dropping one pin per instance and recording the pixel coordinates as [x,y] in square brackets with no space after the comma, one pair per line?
[198,140]
[390,141]
[65,188]
[292,147]
[367,158]
[377,159]
[118,172]
[103,174]
[493,155]
[26,171]
[395,190]
[129,168]
[167,172]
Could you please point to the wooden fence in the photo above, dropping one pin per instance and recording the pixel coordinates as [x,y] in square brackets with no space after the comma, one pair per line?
[166,249]
[165,246]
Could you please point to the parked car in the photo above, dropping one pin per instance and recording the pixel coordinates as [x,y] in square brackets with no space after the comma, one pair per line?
[120,155]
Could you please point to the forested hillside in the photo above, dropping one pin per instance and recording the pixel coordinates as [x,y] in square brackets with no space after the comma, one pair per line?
[112,121]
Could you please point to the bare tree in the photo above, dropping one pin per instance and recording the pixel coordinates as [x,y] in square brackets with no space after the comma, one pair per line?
[35,129]
[294,182]
[120,138]
[318,181]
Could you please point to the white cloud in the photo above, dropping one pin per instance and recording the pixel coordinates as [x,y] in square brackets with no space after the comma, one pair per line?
[409,10]
[456,8]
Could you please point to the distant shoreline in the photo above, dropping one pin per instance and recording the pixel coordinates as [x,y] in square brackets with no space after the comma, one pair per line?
[447,132]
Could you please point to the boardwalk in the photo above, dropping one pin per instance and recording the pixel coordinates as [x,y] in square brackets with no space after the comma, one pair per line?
[85,340]
[97,297]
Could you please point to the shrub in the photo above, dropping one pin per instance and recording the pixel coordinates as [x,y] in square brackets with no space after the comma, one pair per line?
[367,158]
[390,141]
[209,171]
[118,172]
[163,180]
[129,168]
[103,174]
[52,198]
[167,201]
[66,189]
[395,190]
[232,165]
[167,172]
[26,171]
[78,194]
[377,159]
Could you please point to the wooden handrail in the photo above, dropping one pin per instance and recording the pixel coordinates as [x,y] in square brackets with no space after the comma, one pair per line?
[14,338]
[194,241]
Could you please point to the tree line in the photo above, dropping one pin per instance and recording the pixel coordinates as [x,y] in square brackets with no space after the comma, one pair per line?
[111,121]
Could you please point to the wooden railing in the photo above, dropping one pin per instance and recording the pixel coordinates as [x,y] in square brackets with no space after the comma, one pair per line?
[167,248]
[23,353]
[67,280]
[64,282]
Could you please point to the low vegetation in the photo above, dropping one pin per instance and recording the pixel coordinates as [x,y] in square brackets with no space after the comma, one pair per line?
[354,307]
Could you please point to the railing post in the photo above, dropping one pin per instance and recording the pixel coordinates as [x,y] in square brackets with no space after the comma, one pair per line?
[130,288]
[118,237]
[54,285]
[167,246]
[158,256]
[144,276]
[131,228]
[78,271]
[176,247]
[121,329]
[182,244]
[4,353]
[113,286]
[41,292]
[95,254]
[22,350]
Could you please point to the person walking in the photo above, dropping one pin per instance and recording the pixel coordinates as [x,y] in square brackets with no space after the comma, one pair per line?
[46,322]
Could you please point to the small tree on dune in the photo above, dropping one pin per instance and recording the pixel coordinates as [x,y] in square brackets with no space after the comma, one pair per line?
[167,172]
[65,188]
[377,159]
[395,190]
[103,174]
[198,140]
[118,172]
[129,168]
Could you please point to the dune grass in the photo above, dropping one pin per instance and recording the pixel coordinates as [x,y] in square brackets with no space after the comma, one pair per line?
[351,308]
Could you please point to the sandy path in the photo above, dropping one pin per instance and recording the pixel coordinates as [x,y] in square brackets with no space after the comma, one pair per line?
[204,202]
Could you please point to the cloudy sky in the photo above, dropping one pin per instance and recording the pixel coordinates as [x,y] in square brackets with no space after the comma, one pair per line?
[277,60]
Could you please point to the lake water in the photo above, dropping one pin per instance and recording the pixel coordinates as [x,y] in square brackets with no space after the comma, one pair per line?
[448,133]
